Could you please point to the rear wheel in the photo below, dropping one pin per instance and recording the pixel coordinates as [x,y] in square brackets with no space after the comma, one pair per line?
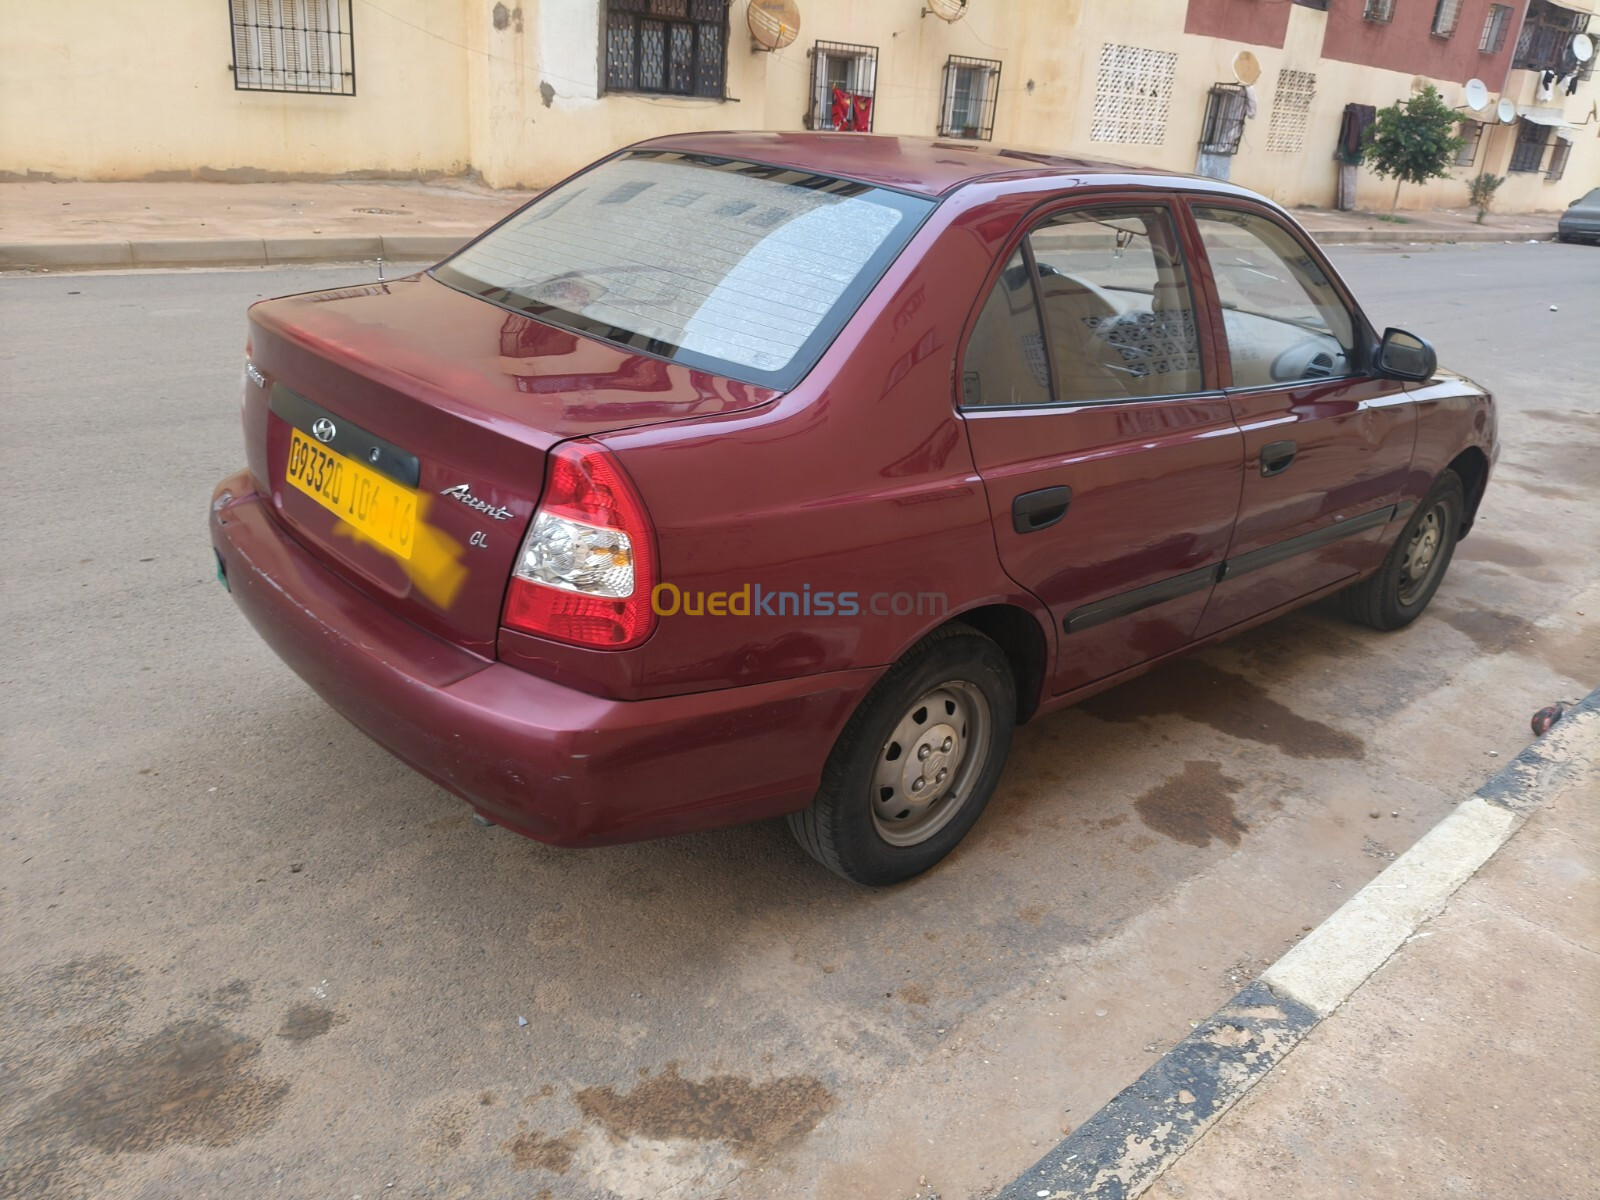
[1416,563]
[917,762]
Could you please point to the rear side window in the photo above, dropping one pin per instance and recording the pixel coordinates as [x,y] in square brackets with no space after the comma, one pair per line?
[746,270]
[1118,318]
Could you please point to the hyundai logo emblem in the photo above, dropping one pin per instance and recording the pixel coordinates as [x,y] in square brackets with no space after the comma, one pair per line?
[323,429]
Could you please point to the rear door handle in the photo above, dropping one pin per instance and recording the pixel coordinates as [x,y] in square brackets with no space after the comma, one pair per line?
[1277,457]
[1033,511]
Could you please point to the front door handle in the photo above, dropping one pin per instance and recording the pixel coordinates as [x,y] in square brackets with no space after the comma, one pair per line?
[1277,457]
[1033,511]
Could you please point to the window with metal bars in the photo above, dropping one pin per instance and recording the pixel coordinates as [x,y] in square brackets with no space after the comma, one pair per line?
[844,82]
[971,94]
[1545,43]
[1446,16]
[1495,29]
[668,47]
[1380,11]
[293,46]
[1558,159]
[1224,124]
[1528,154]
[1471,133]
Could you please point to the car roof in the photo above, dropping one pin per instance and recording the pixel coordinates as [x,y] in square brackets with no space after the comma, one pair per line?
[923,166]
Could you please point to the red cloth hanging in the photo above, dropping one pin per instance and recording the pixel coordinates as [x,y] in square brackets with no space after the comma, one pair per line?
[843,109]
[863,105]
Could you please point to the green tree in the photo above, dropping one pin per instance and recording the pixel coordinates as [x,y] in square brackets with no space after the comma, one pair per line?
[1413,142]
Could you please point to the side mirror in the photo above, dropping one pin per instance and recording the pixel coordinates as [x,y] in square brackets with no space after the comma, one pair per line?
[1404,355]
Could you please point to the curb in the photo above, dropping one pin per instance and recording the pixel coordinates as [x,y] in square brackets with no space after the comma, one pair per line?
[1121,1150]
[227,252]
[275,251]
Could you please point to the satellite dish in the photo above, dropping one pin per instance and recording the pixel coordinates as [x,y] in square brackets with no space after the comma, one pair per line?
[1246,67]
[774,24]
[946,10]
[1477,95]
[1507,111]
[1582,47]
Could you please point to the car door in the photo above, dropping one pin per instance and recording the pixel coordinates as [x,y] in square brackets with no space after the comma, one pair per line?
[1326,443]
[1112,470]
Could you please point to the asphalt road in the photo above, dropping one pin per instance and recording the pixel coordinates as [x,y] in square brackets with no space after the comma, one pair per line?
[246,953]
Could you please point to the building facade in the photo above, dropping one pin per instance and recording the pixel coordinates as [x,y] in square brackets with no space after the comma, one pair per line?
[1255,90]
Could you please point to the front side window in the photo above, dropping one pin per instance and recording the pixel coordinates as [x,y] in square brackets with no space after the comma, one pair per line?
[1118,321]
[744,270]
[1285,320]
[971,92]
[674,47]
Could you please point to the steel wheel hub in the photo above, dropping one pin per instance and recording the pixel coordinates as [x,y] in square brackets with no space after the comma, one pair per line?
[927,766]
[1422,554]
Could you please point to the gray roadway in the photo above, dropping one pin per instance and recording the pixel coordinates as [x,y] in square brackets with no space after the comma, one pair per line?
[242,952]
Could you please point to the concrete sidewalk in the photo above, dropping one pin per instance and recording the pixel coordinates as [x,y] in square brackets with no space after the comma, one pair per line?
[1434,1037]
[63,226]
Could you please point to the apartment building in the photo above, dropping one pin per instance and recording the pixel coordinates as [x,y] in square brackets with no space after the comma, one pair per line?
[1260,91]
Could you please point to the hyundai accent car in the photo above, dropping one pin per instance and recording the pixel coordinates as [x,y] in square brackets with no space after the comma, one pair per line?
[1581,221]
[748,475]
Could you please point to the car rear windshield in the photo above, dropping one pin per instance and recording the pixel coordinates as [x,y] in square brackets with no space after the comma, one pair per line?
[746,270]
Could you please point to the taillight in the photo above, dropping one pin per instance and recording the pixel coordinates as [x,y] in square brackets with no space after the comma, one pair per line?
[588,565]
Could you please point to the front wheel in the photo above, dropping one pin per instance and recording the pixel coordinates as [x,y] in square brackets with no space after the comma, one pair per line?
[916,764]
[1416,563]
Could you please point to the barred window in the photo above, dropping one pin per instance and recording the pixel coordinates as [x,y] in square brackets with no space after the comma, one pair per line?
[971,94]
[1558,158]
[1446,16]
[844,82]
[1381,11]
[293,46]
[1225,114]
[1471,133]
[1495,29]
[1545,43]
[669,47]
[1528,154]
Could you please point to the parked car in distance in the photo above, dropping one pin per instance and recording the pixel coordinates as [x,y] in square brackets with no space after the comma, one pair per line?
[756,475]
[1581,221]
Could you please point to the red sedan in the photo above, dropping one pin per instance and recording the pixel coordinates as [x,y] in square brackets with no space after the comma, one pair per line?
[757,475]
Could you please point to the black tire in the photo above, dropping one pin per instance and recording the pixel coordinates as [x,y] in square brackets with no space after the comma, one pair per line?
[1396,595]
[963,686]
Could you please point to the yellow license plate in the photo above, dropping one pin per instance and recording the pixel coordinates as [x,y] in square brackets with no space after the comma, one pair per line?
[376,505]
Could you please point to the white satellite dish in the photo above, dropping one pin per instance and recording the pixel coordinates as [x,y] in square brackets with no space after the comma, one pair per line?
[1582,47]
[1507,111]
[1477,95]
[946,10]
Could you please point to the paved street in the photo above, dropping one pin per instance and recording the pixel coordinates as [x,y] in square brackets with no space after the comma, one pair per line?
[243,952]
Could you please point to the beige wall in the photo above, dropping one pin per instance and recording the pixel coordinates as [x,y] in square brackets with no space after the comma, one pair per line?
[442,89]
[141,88]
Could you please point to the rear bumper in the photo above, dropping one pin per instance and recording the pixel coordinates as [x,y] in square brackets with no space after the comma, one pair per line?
[550,762]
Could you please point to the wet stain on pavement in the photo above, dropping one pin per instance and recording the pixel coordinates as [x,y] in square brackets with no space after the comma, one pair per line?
[753,1119]
[1194,806]
[306,1021]
[914,993]
[191,1083]
[1482,548]
[1492,632]
[1228,703]
[534,1151]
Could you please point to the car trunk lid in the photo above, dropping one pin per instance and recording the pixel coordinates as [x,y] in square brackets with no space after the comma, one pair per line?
[403,430]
